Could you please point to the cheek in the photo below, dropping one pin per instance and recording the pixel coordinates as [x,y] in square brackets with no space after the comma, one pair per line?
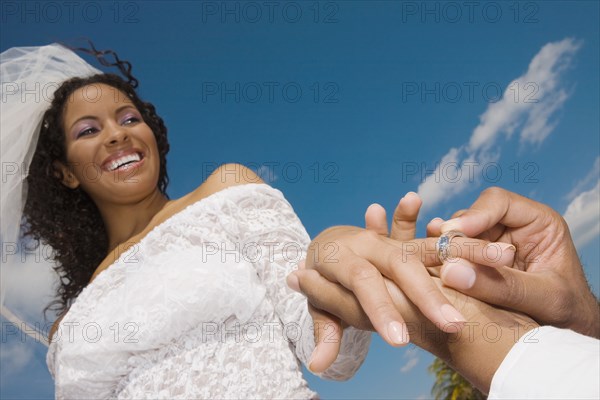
[80,161]
[150,140]
[75,161]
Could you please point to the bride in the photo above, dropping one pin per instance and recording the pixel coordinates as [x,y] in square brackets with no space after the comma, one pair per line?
[162,298]
[159,298]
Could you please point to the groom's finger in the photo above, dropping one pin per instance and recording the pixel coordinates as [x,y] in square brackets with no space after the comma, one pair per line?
[434,227]
[507,287]
[496,206]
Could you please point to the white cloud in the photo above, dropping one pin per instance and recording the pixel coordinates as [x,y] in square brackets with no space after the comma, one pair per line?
[27,284]
[410,364]
[539,122]
[583,216]
[455,173]
[592,177]
[15,356]
[528,106]
[412,357]
[430,191]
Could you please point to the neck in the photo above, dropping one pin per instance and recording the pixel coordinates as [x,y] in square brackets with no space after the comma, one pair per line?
[122,221]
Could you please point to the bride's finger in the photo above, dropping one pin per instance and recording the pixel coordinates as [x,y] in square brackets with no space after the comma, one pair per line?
[414,280]
[376,219]
[495,254]
[358,274]
[404,224]
[332,298]
[328,337]
[361,277]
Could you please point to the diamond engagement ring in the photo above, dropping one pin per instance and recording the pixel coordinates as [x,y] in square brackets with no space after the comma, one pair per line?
[443,244]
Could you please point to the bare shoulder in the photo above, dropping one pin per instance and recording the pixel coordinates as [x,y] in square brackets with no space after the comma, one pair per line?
[225,176]
[56,324]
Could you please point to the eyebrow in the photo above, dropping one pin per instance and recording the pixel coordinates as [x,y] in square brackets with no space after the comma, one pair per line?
[95,118]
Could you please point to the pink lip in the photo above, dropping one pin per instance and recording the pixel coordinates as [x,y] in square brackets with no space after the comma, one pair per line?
[105,164]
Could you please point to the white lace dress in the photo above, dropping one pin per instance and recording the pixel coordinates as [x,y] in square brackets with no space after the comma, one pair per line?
[199,308]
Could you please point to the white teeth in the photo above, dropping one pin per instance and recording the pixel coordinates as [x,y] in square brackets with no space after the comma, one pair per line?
[119,162]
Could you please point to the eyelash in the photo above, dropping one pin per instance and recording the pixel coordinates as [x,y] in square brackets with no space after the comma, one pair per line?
[87,131]
[83,132]
[133,118]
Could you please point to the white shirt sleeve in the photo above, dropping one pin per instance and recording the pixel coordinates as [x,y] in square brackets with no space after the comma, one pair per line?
[549,363]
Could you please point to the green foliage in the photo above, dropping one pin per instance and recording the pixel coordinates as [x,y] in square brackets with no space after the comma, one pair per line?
[450,385]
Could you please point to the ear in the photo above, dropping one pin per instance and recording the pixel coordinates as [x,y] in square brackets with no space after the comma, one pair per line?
[66,175]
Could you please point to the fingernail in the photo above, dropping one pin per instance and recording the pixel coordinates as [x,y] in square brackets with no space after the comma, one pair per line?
[436,219]
[451,314]
[506,246]
[293,282]
[397,333]
[302,264]
[458,276]
[375,205]
[502,247]
[409,195]
[312,359]
[451,225]
[494,252]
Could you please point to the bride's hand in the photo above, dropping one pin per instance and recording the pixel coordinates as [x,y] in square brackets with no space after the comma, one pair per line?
[475,352]
[328,328]
[356,259]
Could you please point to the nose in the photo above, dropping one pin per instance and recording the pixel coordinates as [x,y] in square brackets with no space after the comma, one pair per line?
[116,134]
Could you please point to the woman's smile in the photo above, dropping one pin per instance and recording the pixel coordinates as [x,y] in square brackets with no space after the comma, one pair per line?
[124,160]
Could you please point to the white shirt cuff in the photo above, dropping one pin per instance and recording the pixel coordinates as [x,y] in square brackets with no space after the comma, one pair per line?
[549,363]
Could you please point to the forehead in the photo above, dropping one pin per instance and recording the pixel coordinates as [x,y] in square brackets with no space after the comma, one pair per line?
[94,99]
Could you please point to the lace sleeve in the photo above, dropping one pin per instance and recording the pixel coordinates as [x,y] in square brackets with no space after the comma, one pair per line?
[269,224]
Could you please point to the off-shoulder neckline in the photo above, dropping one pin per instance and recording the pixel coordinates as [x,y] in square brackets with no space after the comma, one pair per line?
[101,277]
[178,214]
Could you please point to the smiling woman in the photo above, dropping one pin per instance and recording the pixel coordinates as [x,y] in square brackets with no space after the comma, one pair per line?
[153,300]
[78,182]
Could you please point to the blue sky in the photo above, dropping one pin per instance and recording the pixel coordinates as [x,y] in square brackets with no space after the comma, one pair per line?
[345,103]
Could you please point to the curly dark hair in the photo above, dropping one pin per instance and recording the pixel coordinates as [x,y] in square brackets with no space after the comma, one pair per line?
[67,219]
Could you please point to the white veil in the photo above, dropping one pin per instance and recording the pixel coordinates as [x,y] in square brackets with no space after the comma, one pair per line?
[29,77]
